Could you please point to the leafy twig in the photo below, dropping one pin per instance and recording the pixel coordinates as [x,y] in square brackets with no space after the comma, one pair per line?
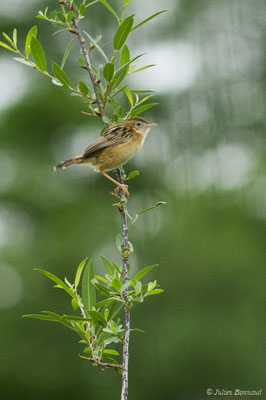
[87,59]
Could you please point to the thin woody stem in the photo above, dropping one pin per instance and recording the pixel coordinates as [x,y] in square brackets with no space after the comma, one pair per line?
[86,57]
[124,391]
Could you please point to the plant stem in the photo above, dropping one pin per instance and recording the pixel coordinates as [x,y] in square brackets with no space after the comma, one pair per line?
[124,391]
[87,59]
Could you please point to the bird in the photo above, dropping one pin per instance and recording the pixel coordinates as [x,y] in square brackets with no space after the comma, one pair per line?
[112,150]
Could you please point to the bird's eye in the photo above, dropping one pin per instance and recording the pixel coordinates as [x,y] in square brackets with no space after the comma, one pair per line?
[138,124]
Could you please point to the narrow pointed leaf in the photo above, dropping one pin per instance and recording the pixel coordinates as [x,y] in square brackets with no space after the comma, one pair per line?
[125,56]
[40,316]
[38,54]
[141,109]
[57,280]
[15,37]
[79,272]
[129,96]
[100,50]
[113,352]
[108,71]
[133,174]
[109,267]
[93,2]
[88,290]
[60,75]
[7,47]
[70,16]
[107,5]
[7,38]
[143,272]
[123,32]
[147,19]
[96,316]
[121,73]
[70,44]
[83,88]
[143,68]
[154,291]
[32,33]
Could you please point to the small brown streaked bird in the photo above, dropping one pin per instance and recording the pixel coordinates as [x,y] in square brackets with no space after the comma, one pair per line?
[114,148]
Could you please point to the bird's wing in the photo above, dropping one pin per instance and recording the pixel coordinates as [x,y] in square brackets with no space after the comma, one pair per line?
[112,136]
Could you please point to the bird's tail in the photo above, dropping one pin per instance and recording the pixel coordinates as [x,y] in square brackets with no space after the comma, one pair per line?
[67,163]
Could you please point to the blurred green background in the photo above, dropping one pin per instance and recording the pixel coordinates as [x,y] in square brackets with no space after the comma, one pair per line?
[206,160]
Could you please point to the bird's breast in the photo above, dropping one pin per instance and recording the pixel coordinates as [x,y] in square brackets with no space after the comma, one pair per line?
[115,156]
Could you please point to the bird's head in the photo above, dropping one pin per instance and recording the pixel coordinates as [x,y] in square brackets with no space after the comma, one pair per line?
[140,125]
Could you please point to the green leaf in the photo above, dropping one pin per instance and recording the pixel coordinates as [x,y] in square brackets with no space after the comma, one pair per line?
[109,267]
[7,38]
[93,2]
[60,75]
[79,272]
[67,52]
[116,284]
[101,288]
[107,5]
[143,272]
[100,50]
[75,304]
[96,316]
[70,16]
[123,32]
[133,219]
[142,69]
[129,96]
[61,16]
[57,280]
[125,286]
[141,109]
[15,37]
[105,303]
[144,99]
[32,33]
[137,330]
[119,241]
[87,350]
[75,318]
[154,291]
[108,71]
[82,62]
[110,359]
[38,54]
[125,56]
[82,9]
[118,77]
[133,174]
[83,88]
[113,352]
[40,316]
[147,19]
[88,290]
[113,339]
[7,47]
[121,73]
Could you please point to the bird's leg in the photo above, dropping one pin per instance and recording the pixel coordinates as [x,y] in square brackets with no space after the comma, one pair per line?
[119,185]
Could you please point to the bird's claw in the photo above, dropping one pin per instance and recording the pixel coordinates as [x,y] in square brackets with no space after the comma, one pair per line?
[123,187]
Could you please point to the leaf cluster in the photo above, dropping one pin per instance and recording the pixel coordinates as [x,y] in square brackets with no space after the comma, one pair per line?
[107,78]
[97,307]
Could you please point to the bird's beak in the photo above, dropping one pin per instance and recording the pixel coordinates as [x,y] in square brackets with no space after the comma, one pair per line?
[152,124]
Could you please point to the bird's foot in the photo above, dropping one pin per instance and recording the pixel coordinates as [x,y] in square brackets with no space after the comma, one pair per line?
[123,187]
